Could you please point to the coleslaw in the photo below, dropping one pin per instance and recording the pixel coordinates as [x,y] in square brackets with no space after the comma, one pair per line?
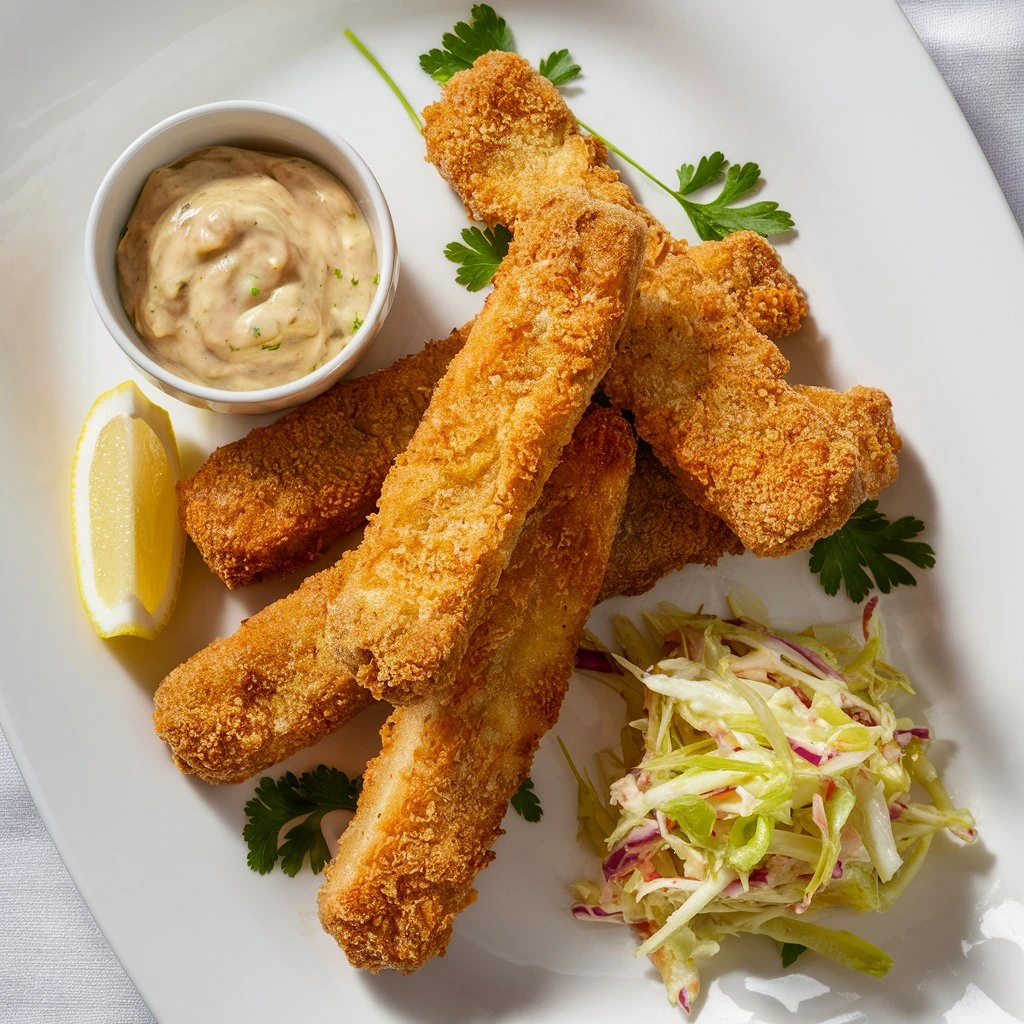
[763,778]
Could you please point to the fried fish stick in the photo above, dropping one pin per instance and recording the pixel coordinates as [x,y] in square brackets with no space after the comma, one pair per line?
[274,500]
[454,503]
[252,699]
[705,387]
[247,701]
[661,531]
[433,800]
[748,267]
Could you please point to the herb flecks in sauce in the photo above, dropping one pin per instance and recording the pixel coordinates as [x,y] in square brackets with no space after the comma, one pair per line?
[230,253]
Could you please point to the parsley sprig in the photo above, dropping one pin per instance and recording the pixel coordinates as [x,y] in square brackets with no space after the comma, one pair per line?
[864,545]
[526,803]
[790,951]
[279,802]
[307,799]
[479,255]
[487,31]
[484,32]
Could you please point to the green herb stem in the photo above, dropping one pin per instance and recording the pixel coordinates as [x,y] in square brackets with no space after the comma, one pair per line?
[409,109]
[629,160]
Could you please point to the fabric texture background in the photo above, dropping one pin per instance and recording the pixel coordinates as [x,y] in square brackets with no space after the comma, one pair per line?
[55,965]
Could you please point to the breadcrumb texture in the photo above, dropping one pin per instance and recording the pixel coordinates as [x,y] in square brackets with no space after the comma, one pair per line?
[433,800]
[269,503]
[272,501]
[706,388]
[248,701]
[454,503]
[661,531]
[748,267]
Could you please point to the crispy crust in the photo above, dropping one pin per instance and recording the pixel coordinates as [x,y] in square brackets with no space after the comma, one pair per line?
[434,798]
[453,505]
[704,386]
[748,266]
[661,531]
[248,701]
[271,502]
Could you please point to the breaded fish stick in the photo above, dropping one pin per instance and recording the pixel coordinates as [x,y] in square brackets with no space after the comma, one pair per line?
[274,500]
[704,386]
[455,501]
[433,800]
[749,268]
[661,531]
[252,699]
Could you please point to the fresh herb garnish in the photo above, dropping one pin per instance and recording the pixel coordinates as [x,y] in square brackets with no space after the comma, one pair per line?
[256,332]
[279,802]
[357,322]
[271,348]
[714,220]
[865,543]
[353,281]
[559,68]
[717,219]
[376,279]
[337,273]
[479,255]
[790,951]
[526,803]
[485,31]
[254,290]
[392,85]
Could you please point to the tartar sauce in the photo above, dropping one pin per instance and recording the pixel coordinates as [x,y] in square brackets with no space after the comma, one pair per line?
[244,270]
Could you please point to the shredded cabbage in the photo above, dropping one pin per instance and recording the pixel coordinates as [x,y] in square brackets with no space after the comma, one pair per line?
[773,782]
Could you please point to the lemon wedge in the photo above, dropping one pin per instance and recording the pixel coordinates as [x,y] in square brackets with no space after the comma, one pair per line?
[128,543]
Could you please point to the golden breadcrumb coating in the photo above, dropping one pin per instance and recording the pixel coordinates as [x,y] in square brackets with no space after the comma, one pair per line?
[453,505]
[749,267]
[704,386]
[433,800]
[274,500]
[248,701]
[661,531]
[270,502]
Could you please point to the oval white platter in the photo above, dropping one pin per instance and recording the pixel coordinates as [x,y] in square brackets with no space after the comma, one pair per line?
[913,268]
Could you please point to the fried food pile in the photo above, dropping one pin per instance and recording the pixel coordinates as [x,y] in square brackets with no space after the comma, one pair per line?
[502,498]
[704,386]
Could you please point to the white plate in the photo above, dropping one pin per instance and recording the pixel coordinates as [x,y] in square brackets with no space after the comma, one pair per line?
[913,268]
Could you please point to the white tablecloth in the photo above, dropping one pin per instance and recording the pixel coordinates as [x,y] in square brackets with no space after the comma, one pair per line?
[55,966]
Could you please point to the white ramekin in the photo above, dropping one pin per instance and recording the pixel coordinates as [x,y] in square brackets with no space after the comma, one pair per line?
[255,126]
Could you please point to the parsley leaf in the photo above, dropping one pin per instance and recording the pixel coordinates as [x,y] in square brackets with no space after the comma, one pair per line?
[480,256]
[559,68]
[717,219]
[865,543]
[526,803]
[790,951]
[279,802]
[485,31]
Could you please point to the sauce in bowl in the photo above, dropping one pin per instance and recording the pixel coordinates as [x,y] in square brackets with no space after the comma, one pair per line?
[243,270]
